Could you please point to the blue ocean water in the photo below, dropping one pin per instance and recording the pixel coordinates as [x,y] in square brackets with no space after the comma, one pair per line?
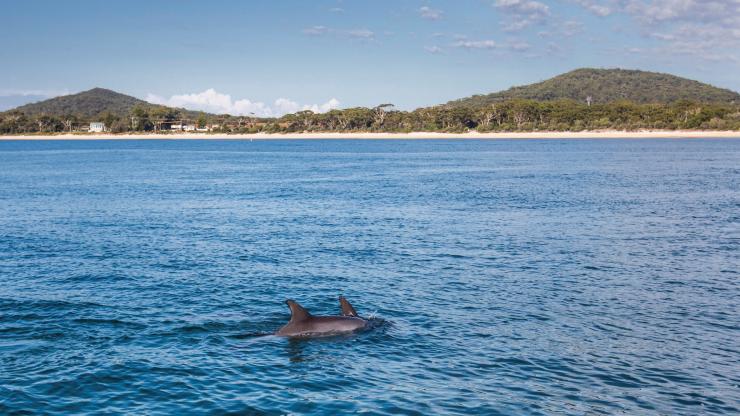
[510,277]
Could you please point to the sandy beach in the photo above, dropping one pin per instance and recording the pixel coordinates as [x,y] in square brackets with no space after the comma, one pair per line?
[602,134]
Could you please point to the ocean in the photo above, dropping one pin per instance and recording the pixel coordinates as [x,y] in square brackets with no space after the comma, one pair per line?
[511,277]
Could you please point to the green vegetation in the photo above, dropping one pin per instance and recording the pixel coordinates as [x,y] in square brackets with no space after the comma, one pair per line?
[94,104]
[680,104]
[525,115]
[87,104]
[606,86]
[515,115]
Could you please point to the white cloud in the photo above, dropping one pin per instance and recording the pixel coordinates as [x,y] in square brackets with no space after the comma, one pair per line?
[212,101]
[336,10]
[529,8]
[433,49]
[510,45]
[596,7]
[571,28]
[316,30]
[286,106]
[708,29]
[517,25]
[429,13]
[716,12]
[722,12]
[663,36]
[523,13]
[659,10]
[475,44]
[361,34]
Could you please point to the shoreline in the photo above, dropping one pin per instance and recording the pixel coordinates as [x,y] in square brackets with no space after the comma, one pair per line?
[599,134]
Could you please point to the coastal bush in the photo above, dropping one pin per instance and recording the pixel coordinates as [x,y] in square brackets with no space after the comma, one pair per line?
[515,115]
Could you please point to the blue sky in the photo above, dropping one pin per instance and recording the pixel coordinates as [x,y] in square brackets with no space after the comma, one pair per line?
[269,57]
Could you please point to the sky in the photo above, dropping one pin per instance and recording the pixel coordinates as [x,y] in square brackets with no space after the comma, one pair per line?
[270,57]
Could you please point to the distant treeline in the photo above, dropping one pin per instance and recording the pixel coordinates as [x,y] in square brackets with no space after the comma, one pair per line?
[513,115]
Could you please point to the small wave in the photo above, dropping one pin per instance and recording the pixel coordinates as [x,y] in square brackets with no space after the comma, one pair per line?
[249,335]
[112,322]
[36,305]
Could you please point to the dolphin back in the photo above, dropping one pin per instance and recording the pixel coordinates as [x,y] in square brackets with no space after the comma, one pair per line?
[297,312]
[303,324]
[347,309]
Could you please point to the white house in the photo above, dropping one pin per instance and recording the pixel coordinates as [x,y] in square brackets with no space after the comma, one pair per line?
[97,127]
[183,127]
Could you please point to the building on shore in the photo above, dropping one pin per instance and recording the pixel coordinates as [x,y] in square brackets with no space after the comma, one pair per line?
[97,127]
[181,126]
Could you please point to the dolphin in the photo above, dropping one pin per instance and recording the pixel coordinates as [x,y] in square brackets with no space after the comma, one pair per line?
[303,324]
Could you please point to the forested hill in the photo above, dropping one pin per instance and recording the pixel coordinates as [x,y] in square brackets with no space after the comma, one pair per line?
[85,104]
[92,103]
[609,85]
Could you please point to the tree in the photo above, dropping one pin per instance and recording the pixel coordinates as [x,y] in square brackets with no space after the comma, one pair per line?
[202,120]
[379,113]
[108,118]
[305,118]
[139,118]
[69,120]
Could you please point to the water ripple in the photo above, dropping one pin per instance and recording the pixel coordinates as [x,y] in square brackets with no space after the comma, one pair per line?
[502,277]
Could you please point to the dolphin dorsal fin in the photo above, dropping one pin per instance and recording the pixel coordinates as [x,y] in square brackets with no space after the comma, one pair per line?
[347,309]
[297,312]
